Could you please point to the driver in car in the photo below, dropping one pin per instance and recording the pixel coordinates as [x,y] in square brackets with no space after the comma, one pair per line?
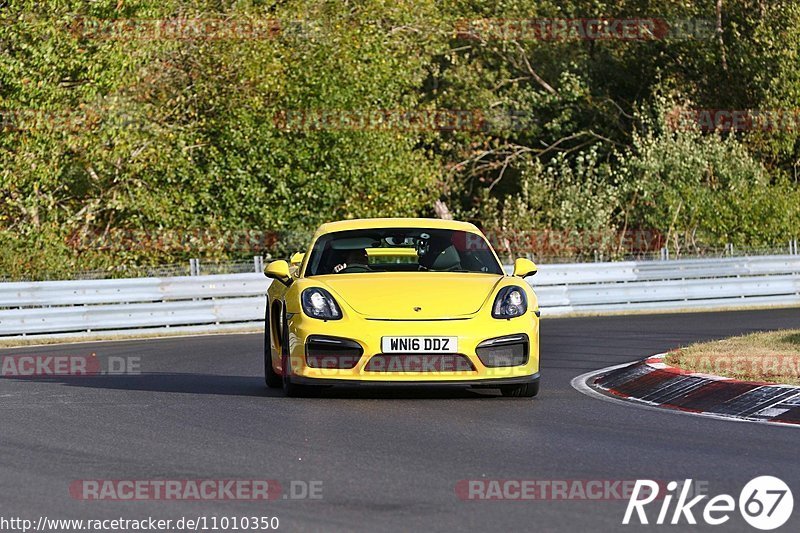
[354,257]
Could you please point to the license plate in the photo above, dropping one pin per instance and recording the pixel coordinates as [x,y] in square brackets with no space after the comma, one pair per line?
[419,344]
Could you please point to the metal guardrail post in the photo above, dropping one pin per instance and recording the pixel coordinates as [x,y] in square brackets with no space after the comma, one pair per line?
[258,264]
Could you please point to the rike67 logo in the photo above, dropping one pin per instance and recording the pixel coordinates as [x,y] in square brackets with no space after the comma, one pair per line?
[765,503]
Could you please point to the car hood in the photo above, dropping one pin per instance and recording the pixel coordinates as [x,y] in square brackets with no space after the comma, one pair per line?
[397,295]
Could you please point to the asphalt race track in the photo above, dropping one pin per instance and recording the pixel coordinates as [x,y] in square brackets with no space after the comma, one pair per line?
[387,460]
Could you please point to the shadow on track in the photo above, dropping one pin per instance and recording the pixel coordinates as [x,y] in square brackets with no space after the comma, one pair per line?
[163,382]
[248,386]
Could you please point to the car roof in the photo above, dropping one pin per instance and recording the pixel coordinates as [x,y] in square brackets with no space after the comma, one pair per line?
[367,223]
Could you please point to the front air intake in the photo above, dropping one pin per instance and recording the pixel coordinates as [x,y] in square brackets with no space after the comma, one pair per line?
[419,362]
[332,352]
[511,350]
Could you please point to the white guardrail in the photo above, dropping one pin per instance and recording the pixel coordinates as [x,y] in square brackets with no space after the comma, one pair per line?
[209,303]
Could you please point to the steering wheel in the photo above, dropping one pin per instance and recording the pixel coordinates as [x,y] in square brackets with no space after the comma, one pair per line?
[355,267]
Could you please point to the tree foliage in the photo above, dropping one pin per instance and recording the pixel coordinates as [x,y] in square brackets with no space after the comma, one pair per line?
[107,127]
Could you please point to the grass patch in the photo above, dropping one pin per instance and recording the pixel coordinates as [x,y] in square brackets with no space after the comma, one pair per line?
[772,356]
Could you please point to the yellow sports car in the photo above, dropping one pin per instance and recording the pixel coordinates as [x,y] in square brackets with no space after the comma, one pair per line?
[401,301]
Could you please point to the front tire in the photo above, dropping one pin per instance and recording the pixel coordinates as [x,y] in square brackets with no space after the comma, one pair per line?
[271,378]
[292,390]
[526,390]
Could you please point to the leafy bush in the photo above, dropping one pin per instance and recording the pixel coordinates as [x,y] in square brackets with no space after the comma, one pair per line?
[105,136]
[704,189]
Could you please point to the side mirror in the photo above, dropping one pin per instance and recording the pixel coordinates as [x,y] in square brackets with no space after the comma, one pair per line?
[524,267]
[279,270]
[297,259]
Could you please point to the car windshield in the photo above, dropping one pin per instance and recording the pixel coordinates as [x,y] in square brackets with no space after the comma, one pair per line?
[401,250]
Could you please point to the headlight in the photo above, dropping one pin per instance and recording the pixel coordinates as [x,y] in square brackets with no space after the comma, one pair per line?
[510,302]
[318,303]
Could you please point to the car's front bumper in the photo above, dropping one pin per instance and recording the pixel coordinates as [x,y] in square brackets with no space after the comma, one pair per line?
[485,383]
[368,333]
